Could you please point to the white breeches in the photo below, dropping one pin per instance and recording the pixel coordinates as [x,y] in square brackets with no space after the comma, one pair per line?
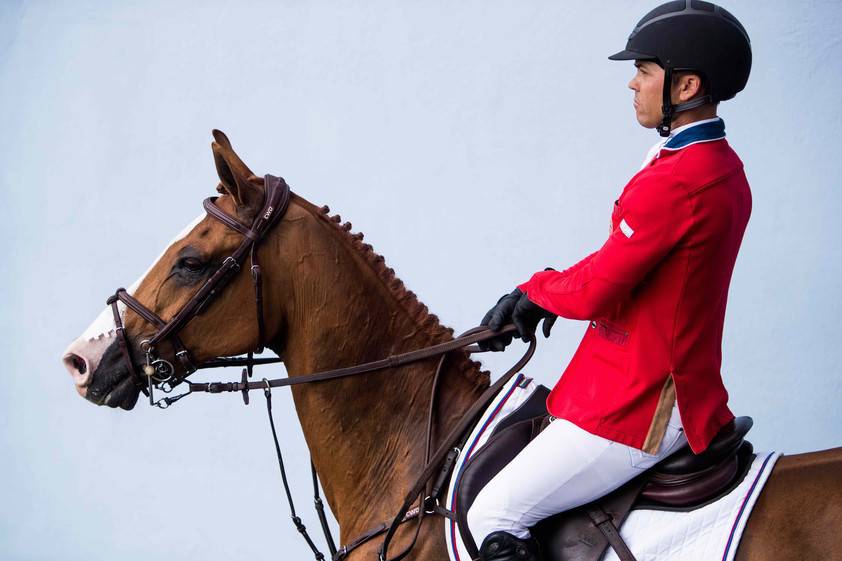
[564,467]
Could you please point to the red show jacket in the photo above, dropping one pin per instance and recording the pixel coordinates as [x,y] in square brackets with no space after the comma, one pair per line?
[655,294]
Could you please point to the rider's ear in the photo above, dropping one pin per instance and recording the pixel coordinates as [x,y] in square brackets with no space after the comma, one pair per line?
[235,178]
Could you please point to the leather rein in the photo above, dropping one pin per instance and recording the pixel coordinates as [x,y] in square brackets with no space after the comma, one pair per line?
[160,373]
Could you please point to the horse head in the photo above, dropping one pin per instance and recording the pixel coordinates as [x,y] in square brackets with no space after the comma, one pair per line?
[226,327]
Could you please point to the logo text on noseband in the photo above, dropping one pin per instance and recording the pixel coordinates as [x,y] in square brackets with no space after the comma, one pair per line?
[268,213]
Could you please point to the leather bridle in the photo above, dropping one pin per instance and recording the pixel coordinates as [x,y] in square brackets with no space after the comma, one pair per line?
[159,372]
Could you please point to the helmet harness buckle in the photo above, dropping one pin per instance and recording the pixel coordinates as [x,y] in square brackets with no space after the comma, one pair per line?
[669,109]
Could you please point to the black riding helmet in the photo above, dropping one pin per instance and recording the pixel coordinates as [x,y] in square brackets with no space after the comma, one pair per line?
[692,35]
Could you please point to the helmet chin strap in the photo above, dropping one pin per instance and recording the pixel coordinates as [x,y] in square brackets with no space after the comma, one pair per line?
[669,110]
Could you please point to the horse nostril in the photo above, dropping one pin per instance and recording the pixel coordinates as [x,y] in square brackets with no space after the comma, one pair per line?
[82,358]
[78,363]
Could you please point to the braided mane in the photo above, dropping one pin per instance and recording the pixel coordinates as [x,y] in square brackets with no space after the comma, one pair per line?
[417,311]
[407,299]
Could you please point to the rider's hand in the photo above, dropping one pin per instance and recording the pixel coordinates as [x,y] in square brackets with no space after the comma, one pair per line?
[526,316]
[497,317]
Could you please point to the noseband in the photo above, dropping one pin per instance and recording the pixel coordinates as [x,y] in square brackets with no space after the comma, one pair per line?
[159,372]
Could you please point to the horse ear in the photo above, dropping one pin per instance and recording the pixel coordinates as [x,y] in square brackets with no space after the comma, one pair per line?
[235,178]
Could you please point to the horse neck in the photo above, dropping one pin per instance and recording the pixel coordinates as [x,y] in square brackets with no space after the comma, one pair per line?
[366,433]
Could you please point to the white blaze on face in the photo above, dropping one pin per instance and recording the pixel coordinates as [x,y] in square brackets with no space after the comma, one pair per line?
[83,355]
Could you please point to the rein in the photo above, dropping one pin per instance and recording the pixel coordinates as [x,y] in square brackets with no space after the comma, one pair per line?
[473,336]
[159,373]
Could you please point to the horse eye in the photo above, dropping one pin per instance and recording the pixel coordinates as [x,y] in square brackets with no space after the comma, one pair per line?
[191,264]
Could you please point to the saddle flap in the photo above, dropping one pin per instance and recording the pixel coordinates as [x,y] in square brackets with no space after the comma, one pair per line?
[500,449]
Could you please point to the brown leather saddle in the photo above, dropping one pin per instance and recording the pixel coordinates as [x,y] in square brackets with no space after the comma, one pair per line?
[682,482]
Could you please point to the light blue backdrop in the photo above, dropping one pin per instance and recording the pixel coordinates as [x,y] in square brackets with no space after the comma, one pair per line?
[473,143]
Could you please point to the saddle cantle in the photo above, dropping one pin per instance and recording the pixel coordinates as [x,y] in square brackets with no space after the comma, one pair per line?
[684,481]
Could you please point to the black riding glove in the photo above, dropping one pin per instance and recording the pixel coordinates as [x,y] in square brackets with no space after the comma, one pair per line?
[497,317]
[518,309]
[526,316]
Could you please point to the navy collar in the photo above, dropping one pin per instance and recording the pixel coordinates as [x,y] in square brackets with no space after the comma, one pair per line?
[704,132]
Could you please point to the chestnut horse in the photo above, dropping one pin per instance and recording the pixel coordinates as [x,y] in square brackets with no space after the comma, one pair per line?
[330,301]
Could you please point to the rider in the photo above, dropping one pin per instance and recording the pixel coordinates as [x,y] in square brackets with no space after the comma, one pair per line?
[654,293]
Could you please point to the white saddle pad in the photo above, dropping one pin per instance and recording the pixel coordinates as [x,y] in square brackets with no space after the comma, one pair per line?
[710,533]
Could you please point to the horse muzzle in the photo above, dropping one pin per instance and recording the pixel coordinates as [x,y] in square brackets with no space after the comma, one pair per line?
[99,373]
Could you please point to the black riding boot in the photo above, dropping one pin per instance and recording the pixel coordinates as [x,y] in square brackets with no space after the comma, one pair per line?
[503,546]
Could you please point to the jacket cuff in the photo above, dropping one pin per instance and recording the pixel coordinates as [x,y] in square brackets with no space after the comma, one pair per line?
[534,282]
